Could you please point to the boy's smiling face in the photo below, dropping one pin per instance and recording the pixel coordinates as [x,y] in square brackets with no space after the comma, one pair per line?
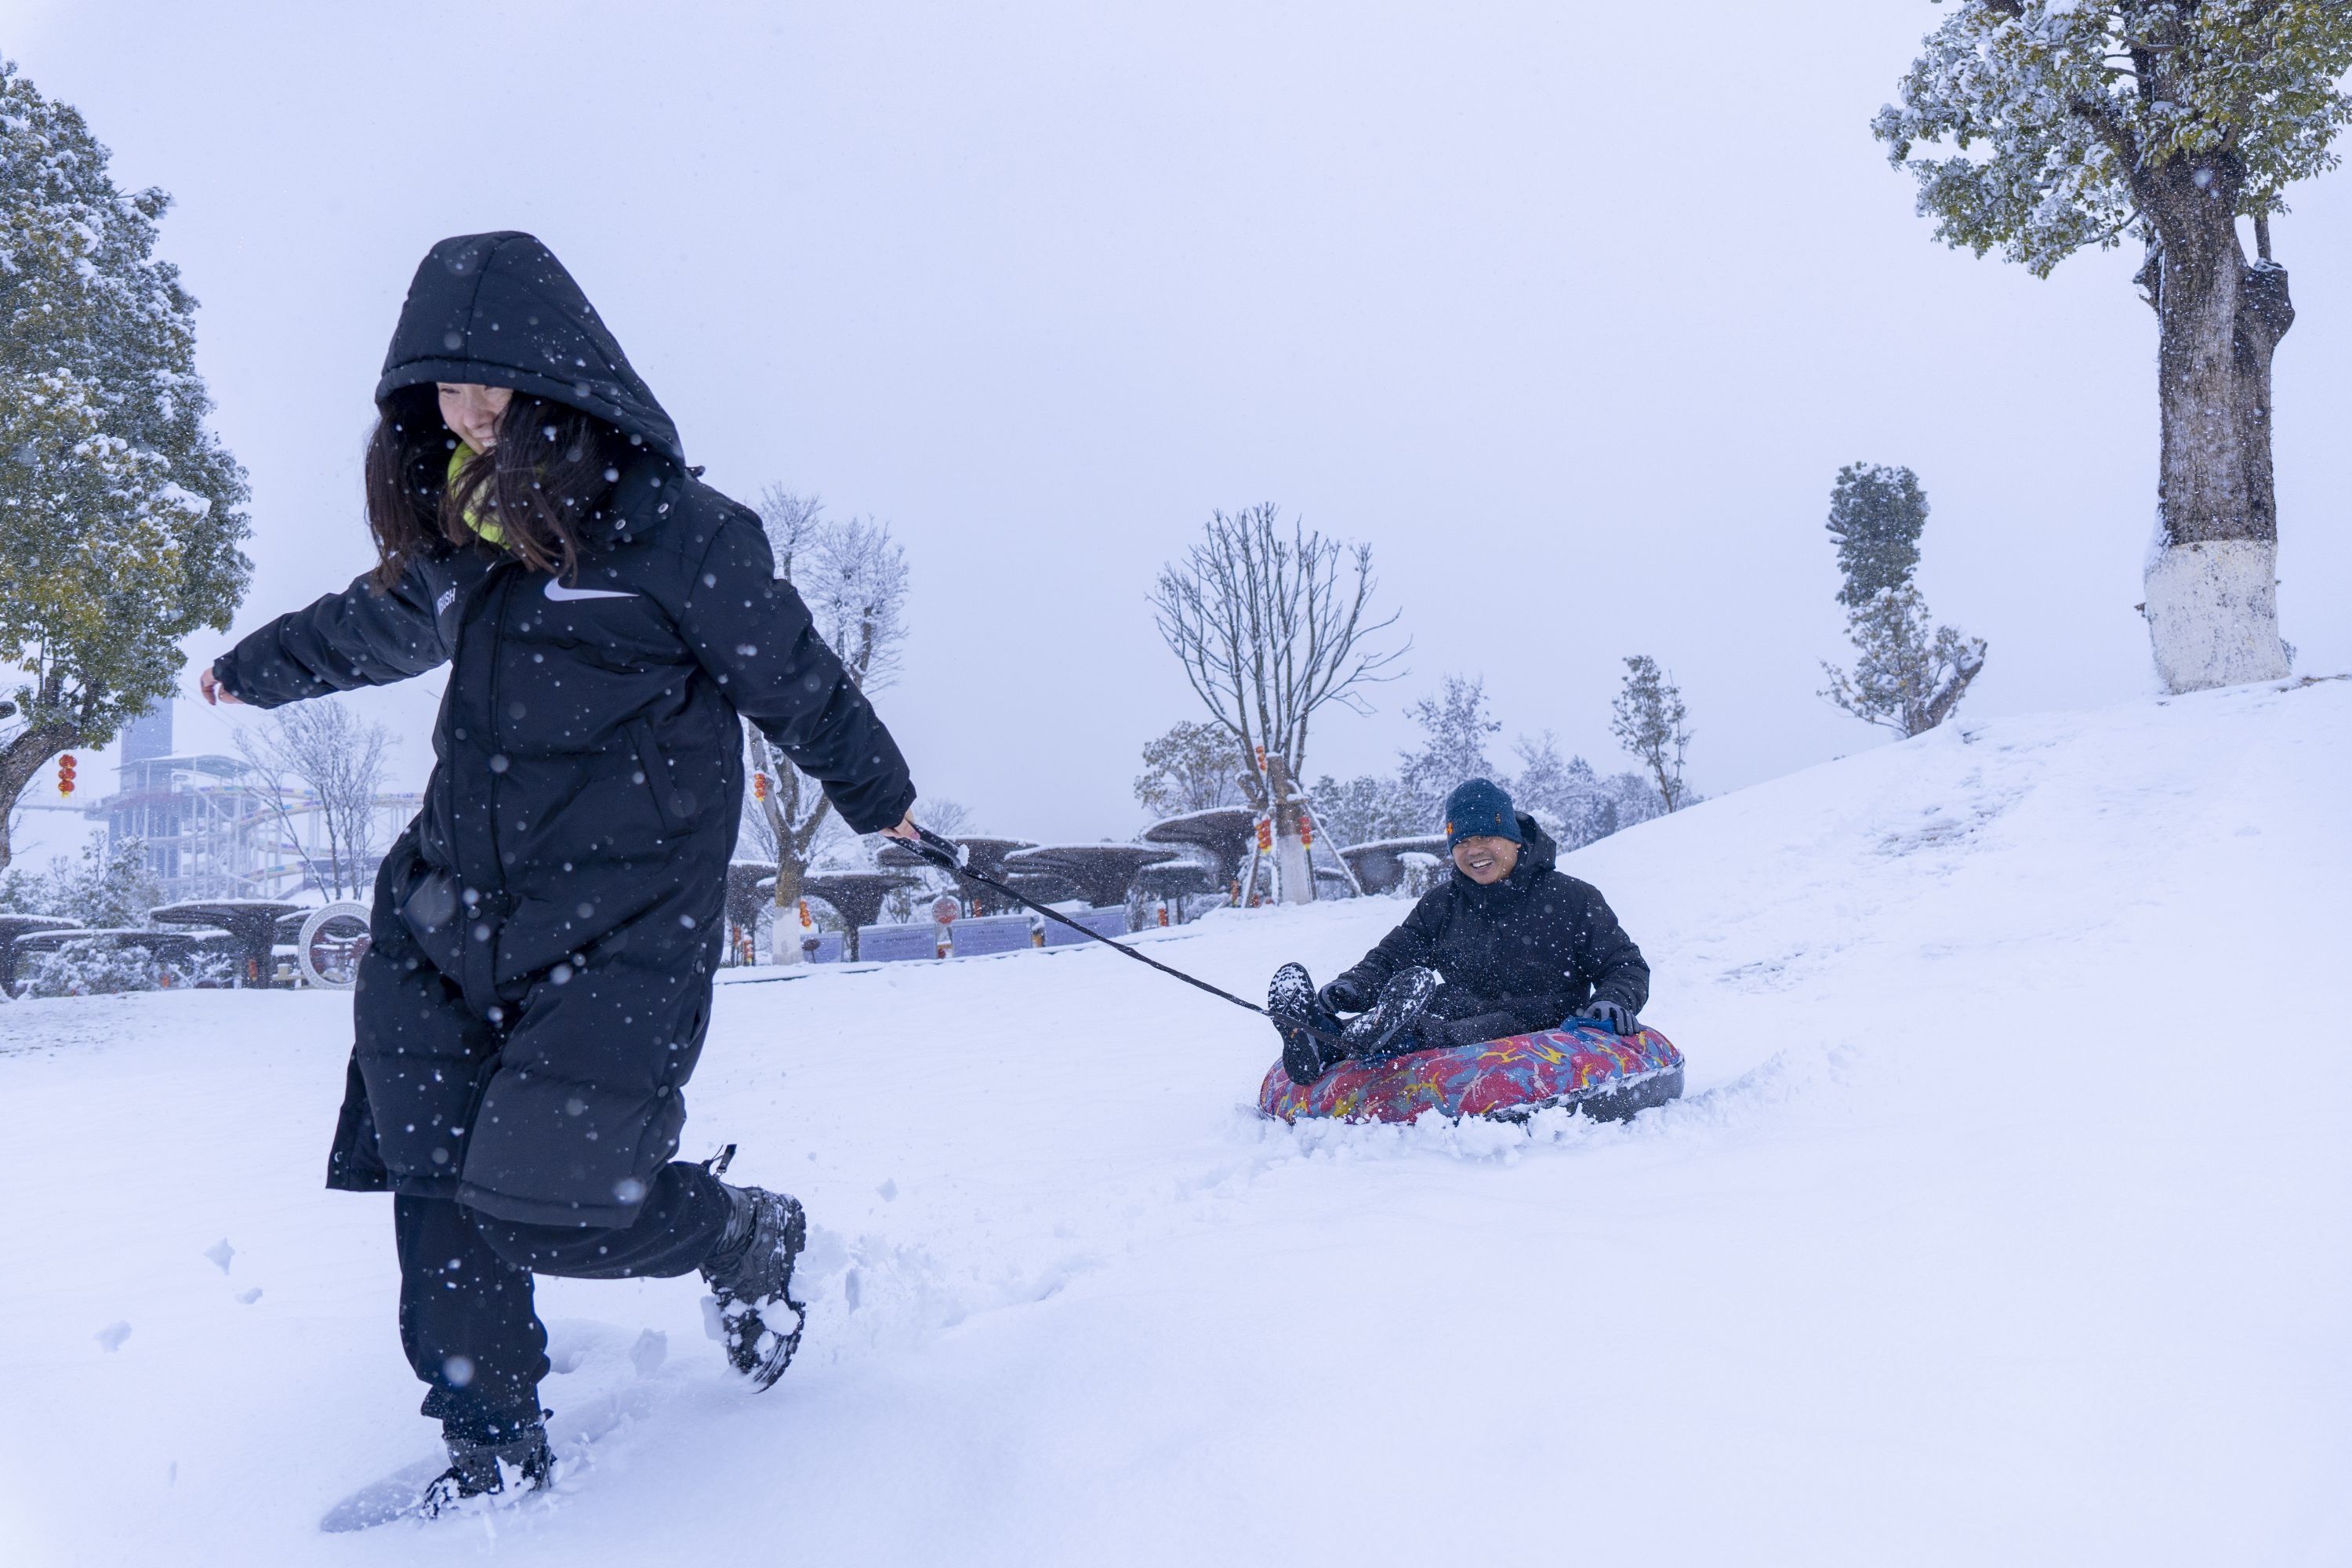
[1487,858]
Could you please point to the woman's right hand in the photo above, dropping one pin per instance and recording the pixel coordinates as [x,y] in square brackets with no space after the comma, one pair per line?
[214,692]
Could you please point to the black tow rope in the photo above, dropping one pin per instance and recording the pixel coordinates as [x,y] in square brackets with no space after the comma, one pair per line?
[950,856]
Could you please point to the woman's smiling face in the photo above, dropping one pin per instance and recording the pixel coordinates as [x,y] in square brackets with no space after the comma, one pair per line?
[472,410]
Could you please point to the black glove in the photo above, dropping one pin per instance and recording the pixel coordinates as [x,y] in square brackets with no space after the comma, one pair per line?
[1344,995]
[1618,1018]
[944,853]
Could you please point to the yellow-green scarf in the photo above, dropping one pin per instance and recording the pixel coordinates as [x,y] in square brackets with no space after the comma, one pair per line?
[490,532]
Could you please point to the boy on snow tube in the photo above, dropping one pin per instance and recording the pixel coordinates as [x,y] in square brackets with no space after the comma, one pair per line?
[1504,945]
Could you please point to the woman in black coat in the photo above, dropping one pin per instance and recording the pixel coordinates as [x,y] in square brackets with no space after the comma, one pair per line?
[545,932]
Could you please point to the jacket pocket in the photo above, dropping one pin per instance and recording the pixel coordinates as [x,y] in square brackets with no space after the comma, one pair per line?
[672,805]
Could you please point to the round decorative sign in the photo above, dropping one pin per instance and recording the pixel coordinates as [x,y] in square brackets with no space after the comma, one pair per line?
[333,940]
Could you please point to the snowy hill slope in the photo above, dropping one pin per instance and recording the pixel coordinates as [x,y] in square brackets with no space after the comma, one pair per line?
[2006,1220]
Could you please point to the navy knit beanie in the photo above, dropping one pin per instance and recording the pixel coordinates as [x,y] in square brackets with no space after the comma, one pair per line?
[1478,808]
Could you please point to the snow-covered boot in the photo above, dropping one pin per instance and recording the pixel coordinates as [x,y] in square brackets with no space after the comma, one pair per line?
[750,1277]
[1291,1003]
[486,1468]
[1390,1026]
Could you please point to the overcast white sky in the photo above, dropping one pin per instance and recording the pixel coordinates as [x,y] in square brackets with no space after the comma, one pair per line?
[1572,311]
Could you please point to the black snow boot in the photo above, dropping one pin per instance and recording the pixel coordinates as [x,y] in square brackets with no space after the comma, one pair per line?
[750,1274]
[1393,1025]
[1290,1002]
[486,1468]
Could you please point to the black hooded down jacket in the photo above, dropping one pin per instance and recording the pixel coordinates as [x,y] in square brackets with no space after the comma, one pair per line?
[1520,955]
[544,933]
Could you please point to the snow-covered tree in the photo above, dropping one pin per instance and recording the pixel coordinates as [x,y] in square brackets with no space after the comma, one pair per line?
[1636,800]
[2060,125]
[1576,805]
[1876,515]
[109,888]
[1649,720]
[1566,796]
[853,577]
[119,515]
[1908,672]
[1454,726]
[1193,767]
[1366,809]
[322,756]
[1271,623]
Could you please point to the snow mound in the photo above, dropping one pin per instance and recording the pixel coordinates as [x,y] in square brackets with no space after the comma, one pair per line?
[2005,1220]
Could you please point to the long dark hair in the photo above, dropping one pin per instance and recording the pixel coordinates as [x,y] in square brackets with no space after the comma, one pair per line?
[541,484]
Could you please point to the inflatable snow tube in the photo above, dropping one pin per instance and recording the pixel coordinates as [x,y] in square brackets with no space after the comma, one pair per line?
[1582,1066]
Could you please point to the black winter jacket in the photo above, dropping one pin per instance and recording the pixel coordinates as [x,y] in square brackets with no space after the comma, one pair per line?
[585,795]
[1520,955]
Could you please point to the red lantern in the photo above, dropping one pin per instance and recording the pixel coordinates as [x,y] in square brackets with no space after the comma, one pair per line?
[1264,834]
[1306,831]
[805,914]
[66,773]
[759,786]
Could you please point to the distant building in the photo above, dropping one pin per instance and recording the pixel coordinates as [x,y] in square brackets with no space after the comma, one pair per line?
[208,831]
[196,814]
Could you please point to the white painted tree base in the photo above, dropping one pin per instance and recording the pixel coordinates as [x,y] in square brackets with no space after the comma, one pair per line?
[2213,615]
[784,937]
[1298,871]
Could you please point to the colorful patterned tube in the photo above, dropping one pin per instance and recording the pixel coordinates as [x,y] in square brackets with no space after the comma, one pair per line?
[1582,1066]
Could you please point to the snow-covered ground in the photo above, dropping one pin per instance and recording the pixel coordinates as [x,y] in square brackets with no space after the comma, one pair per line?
[2006,1220]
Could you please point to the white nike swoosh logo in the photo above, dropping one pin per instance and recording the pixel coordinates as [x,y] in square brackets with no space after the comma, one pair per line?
[560,594]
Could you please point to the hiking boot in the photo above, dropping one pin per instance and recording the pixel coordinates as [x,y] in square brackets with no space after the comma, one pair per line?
[485,1469]
[1298,1017]
[1391,1028]
[750,1277]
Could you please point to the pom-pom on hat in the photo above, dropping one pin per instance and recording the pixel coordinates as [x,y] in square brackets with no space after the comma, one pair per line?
[1478,808]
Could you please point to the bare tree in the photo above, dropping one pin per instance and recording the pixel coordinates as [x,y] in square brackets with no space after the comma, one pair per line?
[853,577]
[1649,720]
[321,757]
[1270,623]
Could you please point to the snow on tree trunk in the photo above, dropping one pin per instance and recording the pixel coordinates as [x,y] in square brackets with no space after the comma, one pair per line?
[2211,572]
[785,926]
[1294,869]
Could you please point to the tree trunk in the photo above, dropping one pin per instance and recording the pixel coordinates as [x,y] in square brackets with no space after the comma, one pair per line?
[784,931]
[19,761]
[1293,869]
[784,928]
[2211,574]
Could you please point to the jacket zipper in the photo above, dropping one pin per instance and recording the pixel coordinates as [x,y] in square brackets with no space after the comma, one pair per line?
[498,758]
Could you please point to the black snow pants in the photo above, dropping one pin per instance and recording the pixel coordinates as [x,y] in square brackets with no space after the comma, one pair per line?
[1457,1016]
[465,1316]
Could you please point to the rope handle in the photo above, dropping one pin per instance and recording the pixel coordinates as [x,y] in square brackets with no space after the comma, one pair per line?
[956,858]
